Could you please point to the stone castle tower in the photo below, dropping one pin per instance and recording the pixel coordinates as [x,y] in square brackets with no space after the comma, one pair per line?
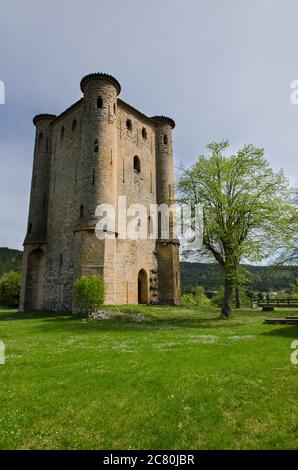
[96,150]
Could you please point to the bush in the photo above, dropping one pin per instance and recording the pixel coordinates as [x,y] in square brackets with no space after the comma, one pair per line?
[217,299]
[89,293]
[10,286]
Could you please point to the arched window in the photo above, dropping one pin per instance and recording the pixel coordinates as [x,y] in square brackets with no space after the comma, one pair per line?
[136,164]
[129,124]
[96,146]
[29,228]
[144,133]
[62,132]
[165,139]
[74,125]
[40,138]
[81,211]
[99,102]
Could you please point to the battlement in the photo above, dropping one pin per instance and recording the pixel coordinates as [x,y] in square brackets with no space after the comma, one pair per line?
[100,76]
[164,120]
[43,117]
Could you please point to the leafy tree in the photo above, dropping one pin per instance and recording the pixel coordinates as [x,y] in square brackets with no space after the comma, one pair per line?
[89,293]
[10,285]
[247,210]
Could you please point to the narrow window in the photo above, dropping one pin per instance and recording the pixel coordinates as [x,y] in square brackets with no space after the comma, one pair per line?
[114,107]
[136,164]
[151,186]
[144,133]
[149,226]
[62,132]
[159,224]
[81,211]
[129,124]
[93,176]
[74,125]
[40,138]
[99,102]
[96,146]
[171,224]
[29,228]
[165,139]
[61,260]
[123,172]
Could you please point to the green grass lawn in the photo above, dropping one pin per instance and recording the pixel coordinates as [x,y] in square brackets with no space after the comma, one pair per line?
[185,379]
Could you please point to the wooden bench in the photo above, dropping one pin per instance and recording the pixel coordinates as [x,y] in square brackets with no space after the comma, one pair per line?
[282,321]
[268,305]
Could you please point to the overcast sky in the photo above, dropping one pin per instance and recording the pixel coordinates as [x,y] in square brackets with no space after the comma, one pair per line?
[220,68]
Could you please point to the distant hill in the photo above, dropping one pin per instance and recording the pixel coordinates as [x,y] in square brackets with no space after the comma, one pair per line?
[261,278]
[10,260]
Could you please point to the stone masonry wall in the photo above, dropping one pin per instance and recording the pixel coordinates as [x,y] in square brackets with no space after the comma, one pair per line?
[90,155]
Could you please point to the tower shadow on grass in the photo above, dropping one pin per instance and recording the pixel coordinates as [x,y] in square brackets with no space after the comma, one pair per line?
[65,321]
[283,332]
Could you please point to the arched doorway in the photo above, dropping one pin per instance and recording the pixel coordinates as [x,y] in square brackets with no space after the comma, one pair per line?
[34,280]
[142,287]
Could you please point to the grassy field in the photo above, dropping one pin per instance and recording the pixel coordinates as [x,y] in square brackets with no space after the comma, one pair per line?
[182,379]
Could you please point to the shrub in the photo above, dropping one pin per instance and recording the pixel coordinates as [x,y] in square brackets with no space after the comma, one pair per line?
[89,293]
[200,296]
[217,299]
[10,286]
[187,299]
[196,297]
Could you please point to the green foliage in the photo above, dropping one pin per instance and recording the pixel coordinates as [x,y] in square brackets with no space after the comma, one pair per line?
[10,286]
[217,299]
[10,260]
[89,293]
[195,297]
[294,289]
[245,298]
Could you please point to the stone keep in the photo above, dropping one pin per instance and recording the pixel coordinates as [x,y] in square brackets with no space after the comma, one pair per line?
[98,149]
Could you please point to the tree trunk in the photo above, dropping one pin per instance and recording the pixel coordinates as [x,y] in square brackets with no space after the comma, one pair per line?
[226,308]
[237,297]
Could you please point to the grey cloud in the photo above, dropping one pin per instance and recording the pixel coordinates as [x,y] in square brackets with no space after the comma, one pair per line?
[221,69]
